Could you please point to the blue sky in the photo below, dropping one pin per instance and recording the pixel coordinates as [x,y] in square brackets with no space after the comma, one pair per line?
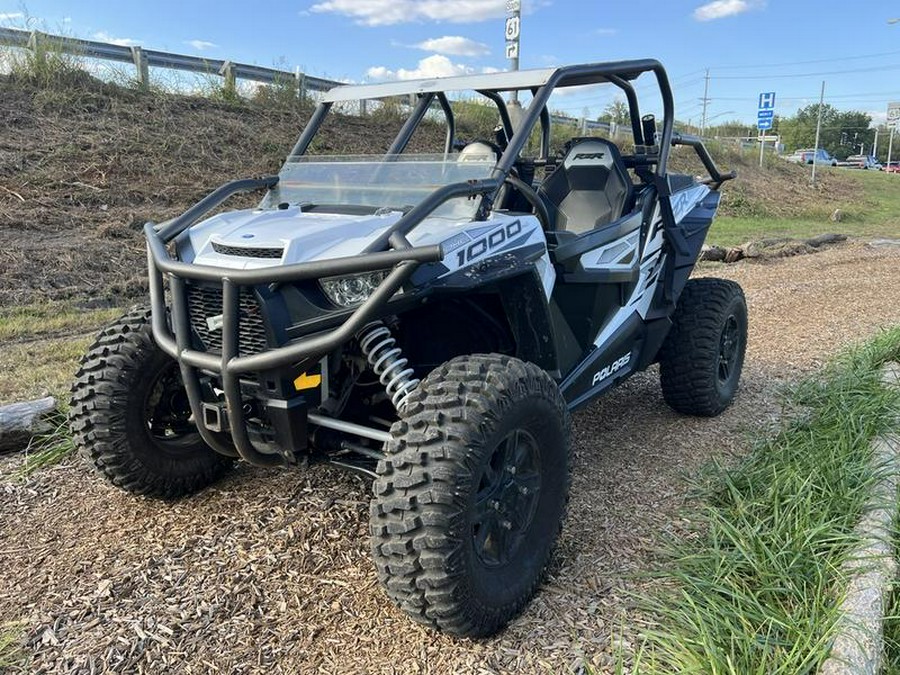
[749,46]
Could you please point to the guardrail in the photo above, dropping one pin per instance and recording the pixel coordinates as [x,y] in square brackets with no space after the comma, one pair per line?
[142,59]
[585,125]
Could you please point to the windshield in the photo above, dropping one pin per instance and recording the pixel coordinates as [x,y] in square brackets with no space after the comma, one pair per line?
[367,184]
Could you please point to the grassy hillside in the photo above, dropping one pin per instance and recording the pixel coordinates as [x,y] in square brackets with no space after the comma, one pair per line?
[780,201]
[82,168]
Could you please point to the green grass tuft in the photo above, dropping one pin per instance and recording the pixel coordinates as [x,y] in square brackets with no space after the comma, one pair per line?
[49,448]
[12,655]
[27,322]
[46,64]
[752,586]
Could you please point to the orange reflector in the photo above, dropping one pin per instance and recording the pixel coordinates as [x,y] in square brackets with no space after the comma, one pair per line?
[305,381]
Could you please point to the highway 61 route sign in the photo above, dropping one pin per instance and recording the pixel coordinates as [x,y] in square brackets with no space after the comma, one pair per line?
[893,116]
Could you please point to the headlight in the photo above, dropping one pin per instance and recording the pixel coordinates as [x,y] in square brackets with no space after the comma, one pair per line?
[352,289]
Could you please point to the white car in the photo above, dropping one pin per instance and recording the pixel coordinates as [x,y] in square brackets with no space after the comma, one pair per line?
[805,156]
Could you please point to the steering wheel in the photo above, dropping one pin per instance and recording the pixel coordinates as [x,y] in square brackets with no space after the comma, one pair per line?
[533,198]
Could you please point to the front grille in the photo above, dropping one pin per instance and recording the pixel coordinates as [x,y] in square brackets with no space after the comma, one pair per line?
[205,302]
[249,252]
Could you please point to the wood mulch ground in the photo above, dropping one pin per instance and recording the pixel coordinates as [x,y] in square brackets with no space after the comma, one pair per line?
[269,571]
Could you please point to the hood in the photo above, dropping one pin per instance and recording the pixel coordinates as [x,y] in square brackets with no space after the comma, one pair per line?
[255,238]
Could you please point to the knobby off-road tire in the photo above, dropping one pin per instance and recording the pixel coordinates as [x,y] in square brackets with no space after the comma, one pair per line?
[471,497]
[129,415]
[701,359]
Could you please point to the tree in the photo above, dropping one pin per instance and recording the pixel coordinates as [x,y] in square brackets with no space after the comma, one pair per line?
[842,133]
[616,112]
[731,129]
[799,131]
[855,134]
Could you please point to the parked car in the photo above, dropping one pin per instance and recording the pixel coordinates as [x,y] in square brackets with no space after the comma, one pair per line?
[805,156]
[798,157]
[861,162]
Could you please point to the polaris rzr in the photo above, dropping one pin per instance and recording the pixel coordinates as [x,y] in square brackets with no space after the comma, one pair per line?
[428,321]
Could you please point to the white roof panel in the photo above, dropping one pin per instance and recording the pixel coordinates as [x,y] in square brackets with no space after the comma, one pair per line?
[504,81]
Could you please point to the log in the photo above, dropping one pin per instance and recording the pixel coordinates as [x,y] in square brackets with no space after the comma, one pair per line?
[823,239]
[712,253]
[20,422]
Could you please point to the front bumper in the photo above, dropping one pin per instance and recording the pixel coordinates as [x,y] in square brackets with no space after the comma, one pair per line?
[227,364]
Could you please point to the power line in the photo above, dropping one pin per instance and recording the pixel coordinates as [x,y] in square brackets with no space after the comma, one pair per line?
[828,72]
[601,96]
[805,63]
[876,95]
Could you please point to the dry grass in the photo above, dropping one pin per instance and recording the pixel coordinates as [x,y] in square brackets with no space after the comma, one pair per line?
[780,190]
[39,368]
[50,320]
[42,345]
[82,168]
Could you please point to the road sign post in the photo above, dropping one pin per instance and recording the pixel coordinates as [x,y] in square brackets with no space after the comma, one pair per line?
[890,147]
[765,118]
[512,29]
[893,123]
[818,133]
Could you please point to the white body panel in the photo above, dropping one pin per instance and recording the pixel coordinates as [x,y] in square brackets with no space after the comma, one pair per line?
[304,237]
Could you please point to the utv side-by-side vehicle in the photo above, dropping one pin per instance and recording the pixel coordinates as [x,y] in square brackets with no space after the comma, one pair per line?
[429,321]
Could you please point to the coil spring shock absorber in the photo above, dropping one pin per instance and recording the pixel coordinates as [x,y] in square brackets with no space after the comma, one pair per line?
[386,358]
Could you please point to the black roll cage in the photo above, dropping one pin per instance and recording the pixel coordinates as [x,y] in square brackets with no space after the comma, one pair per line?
[392,250]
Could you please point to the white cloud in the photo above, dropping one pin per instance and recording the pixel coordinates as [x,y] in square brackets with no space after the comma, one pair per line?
[379,73]
[606,31]
[103,36]
[586,89]
[388,12]
[12,16]
[454,45]
[201,45]
[719,9]
[435,65]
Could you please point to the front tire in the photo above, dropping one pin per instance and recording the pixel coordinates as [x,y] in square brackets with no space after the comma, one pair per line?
[472,494]
[129,415]
[702,357]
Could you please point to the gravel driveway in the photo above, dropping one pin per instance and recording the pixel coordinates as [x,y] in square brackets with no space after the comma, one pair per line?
[269,571]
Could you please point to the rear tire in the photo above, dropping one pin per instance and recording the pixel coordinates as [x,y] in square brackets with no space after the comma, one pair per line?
[702,357]
[471,497]
[129,415]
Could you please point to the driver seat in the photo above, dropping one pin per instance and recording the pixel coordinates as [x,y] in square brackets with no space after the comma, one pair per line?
[589,188]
